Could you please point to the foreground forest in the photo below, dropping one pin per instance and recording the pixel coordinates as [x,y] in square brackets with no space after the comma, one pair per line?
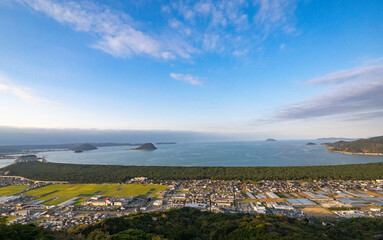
[188,223]
[77,173]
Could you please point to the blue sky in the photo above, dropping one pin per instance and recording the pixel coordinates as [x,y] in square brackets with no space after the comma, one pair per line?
[246,69]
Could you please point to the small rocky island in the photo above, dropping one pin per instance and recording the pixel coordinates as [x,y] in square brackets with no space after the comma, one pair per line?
[270,140]
[83,147]
[310,144]
[145,147]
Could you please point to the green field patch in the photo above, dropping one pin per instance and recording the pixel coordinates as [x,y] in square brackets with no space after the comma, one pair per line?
[10,218]
[49,193]
[281,195]
[79,201]
[45,198]
[46,190]
[12,190]
[86,195]
[56,201]
[150,192]
[58,193]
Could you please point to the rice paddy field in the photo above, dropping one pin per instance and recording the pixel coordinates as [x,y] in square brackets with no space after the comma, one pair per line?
[12,190]
[58,193]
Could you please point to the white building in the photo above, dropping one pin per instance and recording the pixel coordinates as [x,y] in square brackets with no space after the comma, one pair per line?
[158,203]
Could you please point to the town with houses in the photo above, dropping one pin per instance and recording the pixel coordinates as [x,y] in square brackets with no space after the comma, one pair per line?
[326,201]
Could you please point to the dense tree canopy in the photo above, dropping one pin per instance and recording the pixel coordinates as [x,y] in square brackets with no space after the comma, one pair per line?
[77,173]
[189,223]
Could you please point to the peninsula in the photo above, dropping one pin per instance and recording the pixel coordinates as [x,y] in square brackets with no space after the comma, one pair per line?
[335,139]
[370,146]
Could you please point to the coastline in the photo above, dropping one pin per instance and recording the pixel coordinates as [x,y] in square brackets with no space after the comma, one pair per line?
[352,153]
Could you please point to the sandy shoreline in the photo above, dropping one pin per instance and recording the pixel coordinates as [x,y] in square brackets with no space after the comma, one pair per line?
[351,153]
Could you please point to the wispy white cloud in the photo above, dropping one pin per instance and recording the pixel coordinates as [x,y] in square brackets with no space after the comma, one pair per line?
[24,93]
[193,80]
[117,31]
[193,27]
[370,73]
[355,94]
[273,14]
[232,26]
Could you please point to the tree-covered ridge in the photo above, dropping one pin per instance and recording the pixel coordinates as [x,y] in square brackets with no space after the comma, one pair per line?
[78,173]
[362,146]
[27,232]
[189,223]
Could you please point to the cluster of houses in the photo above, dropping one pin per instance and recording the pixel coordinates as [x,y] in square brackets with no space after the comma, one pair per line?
[341,199]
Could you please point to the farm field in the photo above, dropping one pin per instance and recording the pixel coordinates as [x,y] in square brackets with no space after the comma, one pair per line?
[12,190]
[318,212]
[58,193]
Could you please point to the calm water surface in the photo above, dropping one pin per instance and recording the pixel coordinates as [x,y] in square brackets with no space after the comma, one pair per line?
[256,153]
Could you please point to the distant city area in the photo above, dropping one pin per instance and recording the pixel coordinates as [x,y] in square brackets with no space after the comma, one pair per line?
[60,205]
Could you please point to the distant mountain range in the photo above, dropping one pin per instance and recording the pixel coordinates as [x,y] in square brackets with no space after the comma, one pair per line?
[370,146]
[15,149]
[335,139]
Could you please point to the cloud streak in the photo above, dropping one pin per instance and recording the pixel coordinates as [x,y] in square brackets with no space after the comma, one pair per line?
[193,80]
[22,93]
[353,95]
[369,73]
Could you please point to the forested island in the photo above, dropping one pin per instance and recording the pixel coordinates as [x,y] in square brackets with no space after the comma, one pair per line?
[81,173]
[83,147]
[145,147]
[188,223]
[370,146]
[270,140]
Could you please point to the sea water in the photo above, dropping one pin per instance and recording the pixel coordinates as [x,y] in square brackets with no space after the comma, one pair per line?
[254,153]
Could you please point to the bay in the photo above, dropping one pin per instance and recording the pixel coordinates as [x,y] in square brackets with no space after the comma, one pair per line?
[254,153]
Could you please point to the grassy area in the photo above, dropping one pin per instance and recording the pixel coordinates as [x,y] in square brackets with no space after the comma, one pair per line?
[79,201]
[58,193]
[281,195]
[12,190]
[10,218]
[56,201]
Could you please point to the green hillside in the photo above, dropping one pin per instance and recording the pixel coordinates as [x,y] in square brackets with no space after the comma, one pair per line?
[362,146]
[188,223]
